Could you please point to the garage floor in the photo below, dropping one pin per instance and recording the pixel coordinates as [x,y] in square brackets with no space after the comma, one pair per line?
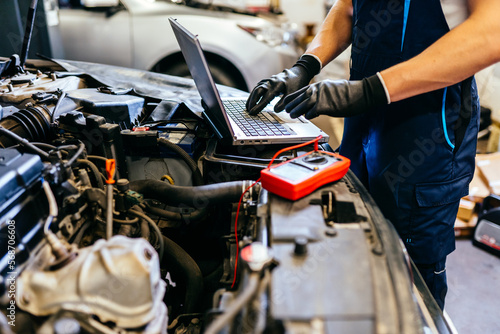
[473,300]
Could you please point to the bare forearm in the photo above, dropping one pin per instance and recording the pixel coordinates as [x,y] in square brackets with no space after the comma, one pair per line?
[334,35]
[470,47]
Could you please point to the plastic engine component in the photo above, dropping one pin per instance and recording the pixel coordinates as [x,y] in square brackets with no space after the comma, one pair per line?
[119,109]
[22,206]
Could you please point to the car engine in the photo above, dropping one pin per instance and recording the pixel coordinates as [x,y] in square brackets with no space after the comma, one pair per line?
[86,252]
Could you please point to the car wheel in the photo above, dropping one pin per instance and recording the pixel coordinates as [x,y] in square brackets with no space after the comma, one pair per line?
[222,71]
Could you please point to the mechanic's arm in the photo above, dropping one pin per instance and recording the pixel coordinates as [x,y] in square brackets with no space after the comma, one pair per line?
[334,34]
[333,37]
[470,47]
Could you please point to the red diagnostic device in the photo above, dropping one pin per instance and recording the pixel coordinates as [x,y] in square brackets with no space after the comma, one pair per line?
[300,176]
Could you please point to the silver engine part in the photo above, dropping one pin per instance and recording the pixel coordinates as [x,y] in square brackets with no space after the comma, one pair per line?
[118,280]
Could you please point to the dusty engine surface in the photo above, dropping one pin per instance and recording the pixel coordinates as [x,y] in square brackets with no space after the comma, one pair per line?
[120,213]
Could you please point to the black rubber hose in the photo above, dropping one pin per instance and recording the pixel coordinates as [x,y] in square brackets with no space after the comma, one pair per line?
[193,216]
[31,123]
[178,260]
[48,147]
[94,169]
[197,178]
[195,197]
[96,157]
[23,142]
[155,228]
[76,155]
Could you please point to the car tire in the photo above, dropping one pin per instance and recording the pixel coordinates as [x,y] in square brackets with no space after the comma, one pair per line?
[220,74]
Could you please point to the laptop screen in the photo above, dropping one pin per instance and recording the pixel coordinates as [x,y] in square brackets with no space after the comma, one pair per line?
[198,67]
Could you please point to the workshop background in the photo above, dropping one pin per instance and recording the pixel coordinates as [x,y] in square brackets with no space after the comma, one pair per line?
[473,298]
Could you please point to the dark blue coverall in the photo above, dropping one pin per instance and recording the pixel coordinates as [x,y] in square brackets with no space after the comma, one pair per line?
[416,157]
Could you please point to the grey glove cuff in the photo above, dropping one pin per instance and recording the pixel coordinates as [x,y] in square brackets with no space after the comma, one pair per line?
[387,95]
[310,63]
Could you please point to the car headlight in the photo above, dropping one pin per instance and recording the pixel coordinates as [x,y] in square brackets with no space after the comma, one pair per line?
[273,35]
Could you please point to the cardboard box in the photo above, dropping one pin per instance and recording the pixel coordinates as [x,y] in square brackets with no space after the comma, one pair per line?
[465,229]
[478,191]
[494,138]
[466,209]
[488,166]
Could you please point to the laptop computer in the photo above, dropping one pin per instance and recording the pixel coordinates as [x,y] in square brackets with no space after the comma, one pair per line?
[228,117]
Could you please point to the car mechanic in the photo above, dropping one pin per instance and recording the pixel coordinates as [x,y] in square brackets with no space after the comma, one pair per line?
[411,108]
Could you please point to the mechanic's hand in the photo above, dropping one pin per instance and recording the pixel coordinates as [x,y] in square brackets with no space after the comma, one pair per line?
[340,98]
[284,83]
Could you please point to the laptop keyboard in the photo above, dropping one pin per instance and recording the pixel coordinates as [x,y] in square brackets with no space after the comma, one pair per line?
[262,124]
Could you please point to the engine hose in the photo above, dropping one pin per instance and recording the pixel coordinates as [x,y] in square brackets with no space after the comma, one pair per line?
[236,306]
[193,216]
[195,197]
[96,157]
[94,169]
[23,142]
[178,260]
[145,232]
[197,178]
[81,147]
[155,228]
[53,210]
[31,123]
[44,146]
[128,222]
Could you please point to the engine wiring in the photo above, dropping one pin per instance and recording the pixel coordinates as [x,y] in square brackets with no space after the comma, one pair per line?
[316,143]
[53,211]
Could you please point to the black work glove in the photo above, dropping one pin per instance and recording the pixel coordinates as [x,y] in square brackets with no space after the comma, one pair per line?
[339,98]
[284,83]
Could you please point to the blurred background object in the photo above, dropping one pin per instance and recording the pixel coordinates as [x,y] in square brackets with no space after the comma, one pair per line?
[46,39]
[242,46]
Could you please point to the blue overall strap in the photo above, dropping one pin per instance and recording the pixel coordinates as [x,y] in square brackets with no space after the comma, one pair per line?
[443,117]
[405,22]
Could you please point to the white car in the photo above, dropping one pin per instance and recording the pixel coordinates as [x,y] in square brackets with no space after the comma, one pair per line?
[241,49]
